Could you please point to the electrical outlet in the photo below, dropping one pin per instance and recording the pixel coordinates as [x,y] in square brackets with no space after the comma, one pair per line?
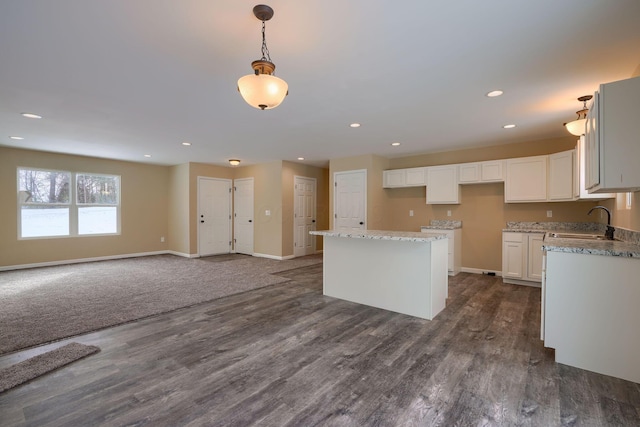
[410,212]
[162,239]
[448,213]
[267,212]
[549,214]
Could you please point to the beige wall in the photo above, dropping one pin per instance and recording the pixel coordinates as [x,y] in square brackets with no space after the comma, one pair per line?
[482,209]
[144,199]
[178,209]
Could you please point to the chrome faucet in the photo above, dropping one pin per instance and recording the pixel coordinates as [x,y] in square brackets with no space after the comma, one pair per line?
[609,233]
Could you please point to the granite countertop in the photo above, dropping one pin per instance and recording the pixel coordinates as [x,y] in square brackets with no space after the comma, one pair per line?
[627,243]
[438,224]
[591,247]
[407,236]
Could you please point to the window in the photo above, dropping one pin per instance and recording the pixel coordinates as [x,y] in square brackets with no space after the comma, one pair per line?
[59,203]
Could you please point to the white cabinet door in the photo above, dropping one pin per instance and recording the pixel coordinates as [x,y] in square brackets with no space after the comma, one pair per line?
[492,171]
[526,179]
[580,175]
[534,257]
[612,135]
[561,176]
[442,185]
[415,177]
[512,260]
[393,178]
[469,173]
[592,152]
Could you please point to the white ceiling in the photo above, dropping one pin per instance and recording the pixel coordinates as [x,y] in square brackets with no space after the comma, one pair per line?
[120,78]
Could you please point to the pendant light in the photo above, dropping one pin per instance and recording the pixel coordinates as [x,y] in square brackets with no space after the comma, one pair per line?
[262,89]
[578,126]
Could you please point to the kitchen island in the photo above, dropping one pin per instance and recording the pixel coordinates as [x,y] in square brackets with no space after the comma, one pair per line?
[405,272]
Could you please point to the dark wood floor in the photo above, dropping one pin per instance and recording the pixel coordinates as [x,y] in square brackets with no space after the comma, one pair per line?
[286,355]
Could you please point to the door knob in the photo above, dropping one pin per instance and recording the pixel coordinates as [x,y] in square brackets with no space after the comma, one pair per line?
[250,220]
[313,220]
[361,223]
[202,221]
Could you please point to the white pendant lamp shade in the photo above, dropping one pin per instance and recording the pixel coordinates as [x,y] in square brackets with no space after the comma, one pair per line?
[263,91]
[577,127]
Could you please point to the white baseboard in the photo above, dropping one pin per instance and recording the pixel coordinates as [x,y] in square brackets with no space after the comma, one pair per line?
[79,260]
[182,254]
[279,258]
[479,271]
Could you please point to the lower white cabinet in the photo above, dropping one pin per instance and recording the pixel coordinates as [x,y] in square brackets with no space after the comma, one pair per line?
[454,240]
[522,258]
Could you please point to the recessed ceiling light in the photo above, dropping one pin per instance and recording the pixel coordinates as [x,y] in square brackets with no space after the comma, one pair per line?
[355,125]
[395,144]
[509,126]
[186,144]
[31,116]
[300,158]
[147,155]
[16,137]
[494,93]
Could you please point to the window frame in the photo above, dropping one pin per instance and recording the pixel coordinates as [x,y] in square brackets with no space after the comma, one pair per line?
[72,205]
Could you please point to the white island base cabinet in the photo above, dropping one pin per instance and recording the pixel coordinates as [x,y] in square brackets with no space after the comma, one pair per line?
[591,312]
[402,276]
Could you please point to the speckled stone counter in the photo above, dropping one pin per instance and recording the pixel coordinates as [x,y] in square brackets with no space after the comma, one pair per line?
[627,243]
[405,272]
[440,224]
[406,236]
[591,247]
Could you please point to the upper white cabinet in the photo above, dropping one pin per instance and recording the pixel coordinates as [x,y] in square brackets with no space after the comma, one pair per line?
[561,176]
[526,179]
[442,185]
[612,148]
[580,178]
[412,177]
[481,172]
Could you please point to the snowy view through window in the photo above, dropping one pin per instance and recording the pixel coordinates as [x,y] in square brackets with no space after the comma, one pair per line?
[48,209]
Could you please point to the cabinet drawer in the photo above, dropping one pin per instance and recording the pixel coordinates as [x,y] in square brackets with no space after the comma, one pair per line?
[513,237]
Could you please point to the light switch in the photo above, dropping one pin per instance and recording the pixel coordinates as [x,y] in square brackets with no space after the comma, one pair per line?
[410,212]
[267,212]
[448,213]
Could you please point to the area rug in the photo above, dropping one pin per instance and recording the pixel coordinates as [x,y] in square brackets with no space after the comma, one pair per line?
[41,364]
[46,304]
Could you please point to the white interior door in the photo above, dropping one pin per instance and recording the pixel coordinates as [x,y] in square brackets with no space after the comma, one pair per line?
[350,200]
[243,216]
[214,216]
[304,215]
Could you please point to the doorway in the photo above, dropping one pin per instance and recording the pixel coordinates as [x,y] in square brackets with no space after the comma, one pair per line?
[350,200]
[304,215]
[214,216]
[243,216]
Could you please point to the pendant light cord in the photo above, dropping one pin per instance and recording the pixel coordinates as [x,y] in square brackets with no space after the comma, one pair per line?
[265,49]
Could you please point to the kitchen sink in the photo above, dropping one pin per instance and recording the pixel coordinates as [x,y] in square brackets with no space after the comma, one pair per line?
[577,236]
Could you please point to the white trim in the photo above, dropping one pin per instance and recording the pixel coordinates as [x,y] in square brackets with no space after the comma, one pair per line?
[92,259]
[522,282]
[479,271]
[279,258]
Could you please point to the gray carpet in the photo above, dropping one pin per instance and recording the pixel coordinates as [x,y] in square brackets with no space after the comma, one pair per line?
[46,304]
[31,368]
